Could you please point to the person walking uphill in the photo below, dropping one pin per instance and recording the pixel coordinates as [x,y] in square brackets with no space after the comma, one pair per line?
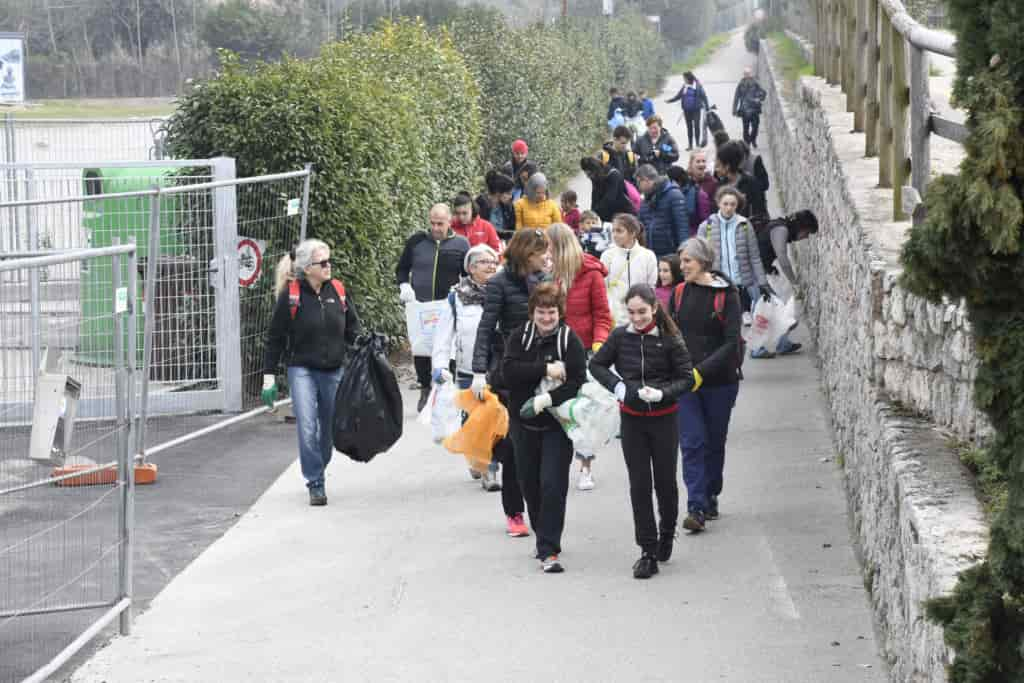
[608,195]
[514,166]
[506,307]
[431,263]
[544,365]
[495,205]
[657,147]
[652,370]
[663,213]
[629,263]
[747,103]
[706,308]
[693,99]
[470,225]
[312,326]
[535,209]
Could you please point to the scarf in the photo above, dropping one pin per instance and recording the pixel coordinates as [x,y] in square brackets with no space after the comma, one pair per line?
[469,292]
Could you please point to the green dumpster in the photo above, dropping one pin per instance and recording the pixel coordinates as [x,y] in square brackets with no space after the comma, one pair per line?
[105,219]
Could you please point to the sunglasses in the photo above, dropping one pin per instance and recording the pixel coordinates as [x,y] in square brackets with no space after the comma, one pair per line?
[326,263]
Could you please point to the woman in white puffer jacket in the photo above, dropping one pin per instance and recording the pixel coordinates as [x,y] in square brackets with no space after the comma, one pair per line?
[629,263]
[455,334]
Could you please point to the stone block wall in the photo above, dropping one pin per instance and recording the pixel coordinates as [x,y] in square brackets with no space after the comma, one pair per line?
[893,368]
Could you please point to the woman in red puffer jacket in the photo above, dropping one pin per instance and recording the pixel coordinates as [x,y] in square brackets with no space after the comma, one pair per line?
[581,276]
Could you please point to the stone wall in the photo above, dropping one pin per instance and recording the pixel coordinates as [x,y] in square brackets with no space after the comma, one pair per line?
[893,367]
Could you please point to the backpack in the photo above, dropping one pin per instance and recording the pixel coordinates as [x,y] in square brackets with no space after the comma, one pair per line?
[719,306]
[562,345]
[691,100]
[295,296]
[635,198]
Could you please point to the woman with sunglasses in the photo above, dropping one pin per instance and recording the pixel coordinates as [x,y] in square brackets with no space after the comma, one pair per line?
[312,326]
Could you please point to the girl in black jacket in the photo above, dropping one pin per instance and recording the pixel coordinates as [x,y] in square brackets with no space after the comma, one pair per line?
[544,365]
[652,370]
[706,308]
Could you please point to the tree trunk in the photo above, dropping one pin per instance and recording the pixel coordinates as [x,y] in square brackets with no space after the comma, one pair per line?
[138,32]
[177,45]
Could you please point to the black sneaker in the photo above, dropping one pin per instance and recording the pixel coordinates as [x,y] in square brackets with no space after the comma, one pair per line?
[551,565]
[694,522]
[645,567]
[424,395]
[665,544]
[317,496]
[712,512]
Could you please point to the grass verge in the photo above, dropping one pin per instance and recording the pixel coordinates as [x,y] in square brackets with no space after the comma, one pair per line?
[791,58]
[141,107]
[702,54]
[991,484]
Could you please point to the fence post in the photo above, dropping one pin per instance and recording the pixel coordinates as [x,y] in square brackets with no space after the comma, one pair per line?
[10,141]
[820,40]
[225,268]
[885,103]
[305,201]
[900,111]
[124,470]
[844,50]
[834,71]
[871,80]
[859,68]
[920,120]
[851,57]
[32,231]
[149,316]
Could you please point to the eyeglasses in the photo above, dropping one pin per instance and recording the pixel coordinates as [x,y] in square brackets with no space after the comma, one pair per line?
[486,263]
[326,263]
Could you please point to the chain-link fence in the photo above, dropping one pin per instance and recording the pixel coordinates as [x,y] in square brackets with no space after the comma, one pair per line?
[67,378]
[26,140]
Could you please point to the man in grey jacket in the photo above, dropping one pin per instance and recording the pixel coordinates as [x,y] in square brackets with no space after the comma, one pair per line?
[746,104]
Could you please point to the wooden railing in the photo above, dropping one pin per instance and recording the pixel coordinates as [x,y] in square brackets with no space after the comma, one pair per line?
[879,56]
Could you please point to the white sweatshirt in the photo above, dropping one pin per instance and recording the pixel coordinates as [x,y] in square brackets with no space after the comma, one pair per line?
[627,267]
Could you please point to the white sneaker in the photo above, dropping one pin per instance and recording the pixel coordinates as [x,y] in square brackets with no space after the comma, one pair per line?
[489,481]
[586,481]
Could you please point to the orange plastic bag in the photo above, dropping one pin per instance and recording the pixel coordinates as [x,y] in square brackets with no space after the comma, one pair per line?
[486,426]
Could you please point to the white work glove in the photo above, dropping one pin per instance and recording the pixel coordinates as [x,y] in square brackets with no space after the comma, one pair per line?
[535,406]
[650,394]
[620,392]
[478,385]
[405,293]
[556,370]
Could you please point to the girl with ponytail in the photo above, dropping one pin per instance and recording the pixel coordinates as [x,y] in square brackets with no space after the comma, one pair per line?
[652,370]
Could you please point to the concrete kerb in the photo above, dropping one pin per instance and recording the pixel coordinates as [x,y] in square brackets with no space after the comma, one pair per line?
[914,508]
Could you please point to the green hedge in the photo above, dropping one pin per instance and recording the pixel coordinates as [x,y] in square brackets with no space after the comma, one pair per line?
[390,121]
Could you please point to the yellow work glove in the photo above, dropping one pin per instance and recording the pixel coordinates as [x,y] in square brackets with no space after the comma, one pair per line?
[596,346]
[697,380]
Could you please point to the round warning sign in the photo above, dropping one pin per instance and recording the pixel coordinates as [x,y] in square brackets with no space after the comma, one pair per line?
[250,261]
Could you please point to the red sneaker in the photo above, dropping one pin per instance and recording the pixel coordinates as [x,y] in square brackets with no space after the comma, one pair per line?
[515,526]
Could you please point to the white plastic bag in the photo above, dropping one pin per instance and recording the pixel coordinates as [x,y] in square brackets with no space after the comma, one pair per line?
[771,320]
[421,319]
[591,420]
[781,285]
[441,413]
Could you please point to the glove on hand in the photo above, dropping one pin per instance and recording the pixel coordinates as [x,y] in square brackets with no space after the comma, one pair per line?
[405,293]
[535,406]
[650,394]
[697,380]
[269,393]
[596,347]
[440,376]
[556,370]
[620,392]
[478,385]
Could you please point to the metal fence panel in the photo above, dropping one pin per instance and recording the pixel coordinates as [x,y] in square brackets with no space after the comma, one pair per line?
[63,547]
[91,140]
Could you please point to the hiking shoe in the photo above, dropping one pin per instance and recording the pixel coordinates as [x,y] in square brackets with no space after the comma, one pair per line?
[694,522]
[712,512]
[515,526]
[586,481]
[645,567]
[551,565]
[761,353]
[489,481]
[317,496]
[792,348]
[424,395]
[473,473]
[665,544]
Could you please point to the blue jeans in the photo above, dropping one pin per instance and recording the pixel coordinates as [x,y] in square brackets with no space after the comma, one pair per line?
[312,393]
[703,427]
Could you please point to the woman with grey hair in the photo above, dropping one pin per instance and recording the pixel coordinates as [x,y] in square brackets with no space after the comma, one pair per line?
[312,325]
[706,308]
[536,209]
[455,334]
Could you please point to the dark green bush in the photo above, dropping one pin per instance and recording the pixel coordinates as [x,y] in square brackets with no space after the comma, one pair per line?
[969,247]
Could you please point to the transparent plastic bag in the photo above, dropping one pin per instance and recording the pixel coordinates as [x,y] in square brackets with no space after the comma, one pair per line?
[591,420]
[781,285]
[441,412]
[771,319]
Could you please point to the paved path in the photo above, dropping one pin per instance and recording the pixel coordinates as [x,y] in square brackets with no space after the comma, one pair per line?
[407,574]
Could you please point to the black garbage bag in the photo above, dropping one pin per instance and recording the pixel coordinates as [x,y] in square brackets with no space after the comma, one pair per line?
[368,405]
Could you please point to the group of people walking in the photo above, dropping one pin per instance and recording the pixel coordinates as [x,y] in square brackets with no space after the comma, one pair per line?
[656,318]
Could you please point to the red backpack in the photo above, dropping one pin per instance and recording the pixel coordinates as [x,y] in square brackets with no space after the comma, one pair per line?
[295,297]
[719,305]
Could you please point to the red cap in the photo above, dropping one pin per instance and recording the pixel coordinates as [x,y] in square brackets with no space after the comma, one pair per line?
[520,147]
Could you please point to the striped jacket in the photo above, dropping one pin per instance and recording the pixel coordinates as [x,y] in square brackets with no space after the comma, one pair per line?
[748,252]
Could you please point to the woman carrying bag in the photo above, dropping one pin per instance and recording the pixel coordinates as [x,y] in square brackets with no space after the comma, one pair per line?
[652,370]
[312,326]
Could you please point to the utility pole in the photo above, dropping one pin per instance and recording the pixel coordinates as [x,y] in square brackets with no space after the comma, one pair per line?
[565,9]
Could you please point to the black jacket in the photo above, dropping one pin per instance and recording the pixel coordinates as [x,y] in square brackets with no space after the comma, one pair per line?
[616,103]
[644,360]
[608,196]
[714,345]
[666,144]
[318,338]
[525,364]
[755,190]
[434,267]
[624,161]
[506,307]
[483,208]
[749,98]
